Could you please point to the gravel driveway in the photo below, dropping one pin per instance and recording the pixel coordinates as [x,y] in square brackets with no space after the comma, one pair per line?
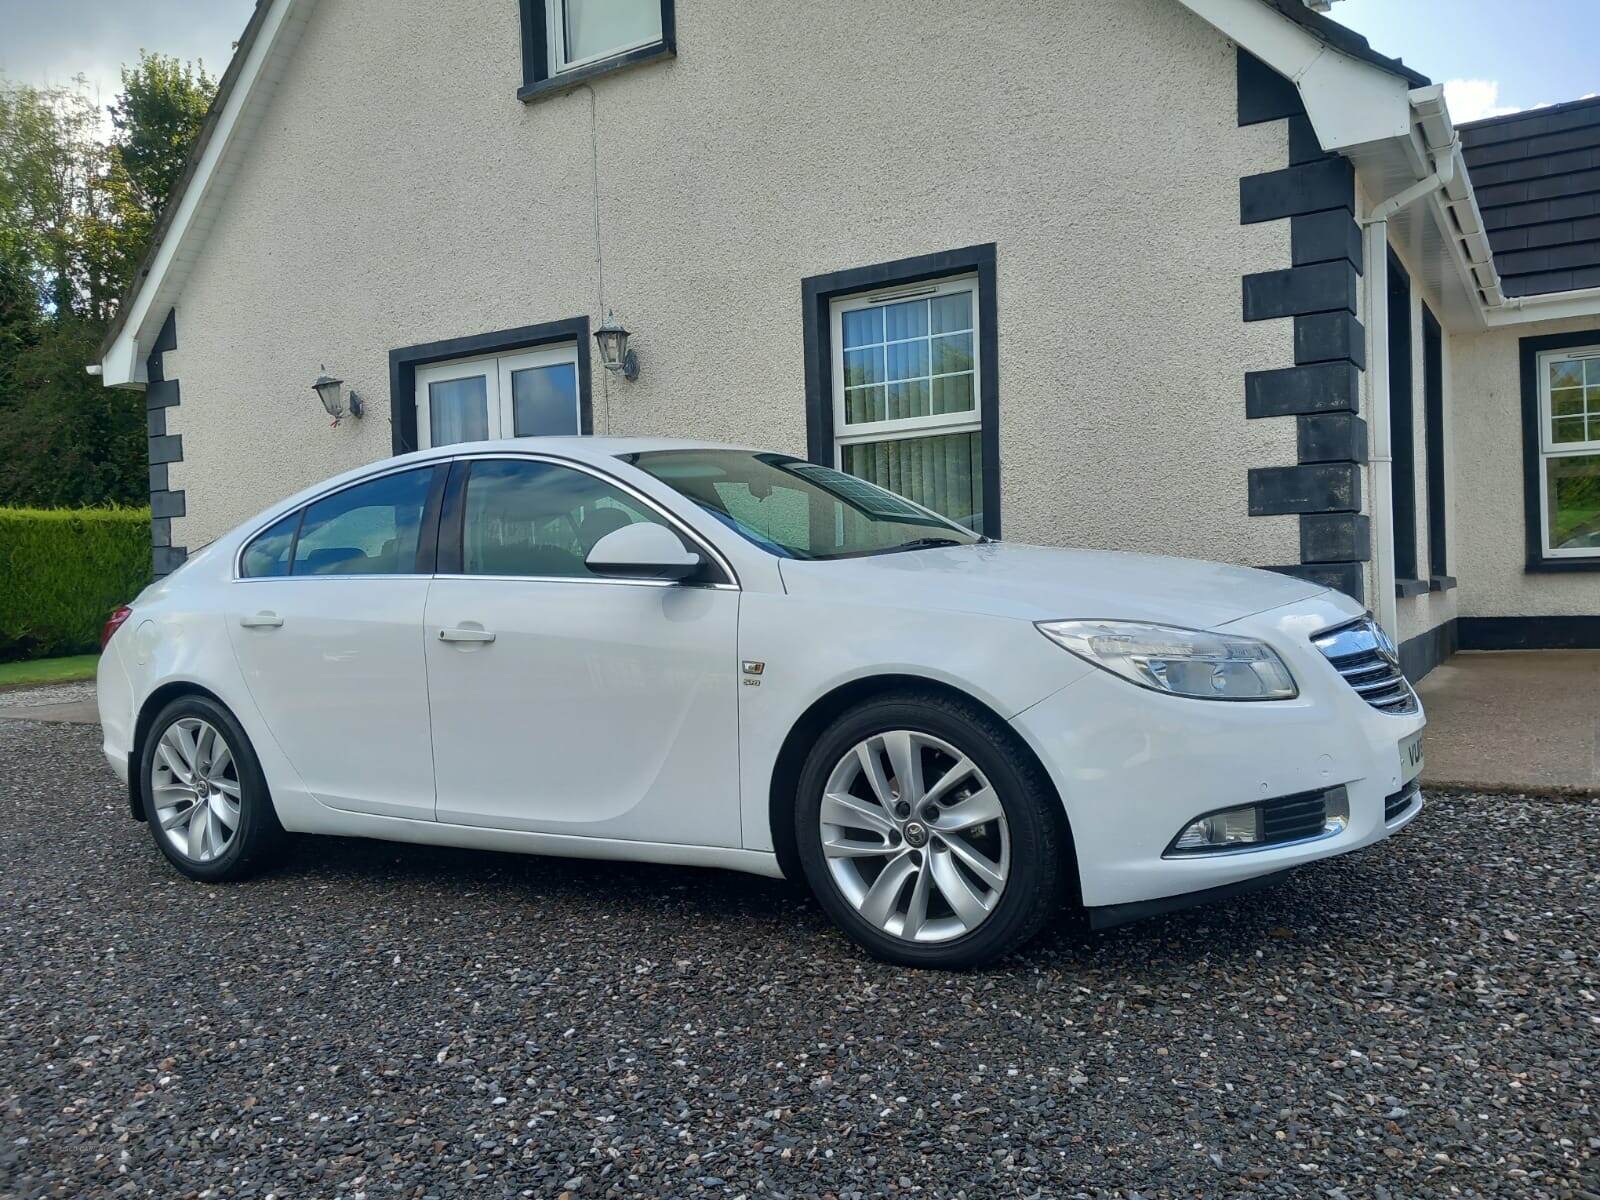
[1419,1020]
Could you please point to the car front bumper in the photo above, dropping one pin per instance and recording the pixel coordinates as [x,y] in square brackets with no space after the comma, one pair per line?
[1134,767]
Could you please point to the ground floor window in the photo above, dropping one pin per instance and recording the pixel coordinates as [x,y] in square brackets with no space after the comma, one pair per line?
[901,380]
[905,405]
[531,381]
[533,394]
[1569,430]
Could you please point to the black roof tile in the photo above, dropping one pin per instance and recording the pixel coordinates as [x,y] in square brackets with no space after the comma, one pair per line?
[1537,179]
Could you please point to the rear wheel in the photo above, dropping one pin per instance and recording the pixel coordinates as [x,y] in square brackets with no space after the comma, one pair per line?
[927,833]
[205,798]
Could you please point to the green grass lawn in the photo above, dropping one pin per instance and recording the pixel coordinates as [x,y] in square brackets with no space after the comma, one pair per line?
[49,670]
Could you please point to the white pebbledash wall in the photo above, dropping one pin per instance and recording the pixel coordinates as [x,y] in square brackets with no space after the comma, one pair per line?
[1485,402]
[399,193]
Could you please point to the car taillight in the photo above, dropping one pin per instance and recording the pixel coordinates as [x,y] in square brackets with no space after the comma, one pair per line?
[114,623]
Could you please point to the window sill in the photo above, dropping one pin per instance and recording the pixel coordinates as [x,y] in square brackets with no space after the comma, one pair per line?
[556,85]
[1409,587]
[1552,566]
[1441,583]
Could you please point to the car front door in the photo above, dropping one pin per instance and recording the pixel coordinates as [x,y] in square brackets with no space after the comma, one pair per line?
[568,703]
[326,622]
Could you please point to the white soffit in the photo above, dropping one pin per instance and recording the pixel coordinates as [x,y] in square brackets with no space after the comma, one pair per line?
[1349,102]
[259,76]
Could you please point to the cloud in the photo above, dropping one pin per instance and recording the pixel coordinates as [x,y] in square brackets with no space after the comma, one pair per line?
[1474,99]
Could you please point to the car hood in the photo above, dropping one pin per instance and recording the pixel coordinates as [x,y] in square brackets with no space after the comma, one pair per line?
[1041,583]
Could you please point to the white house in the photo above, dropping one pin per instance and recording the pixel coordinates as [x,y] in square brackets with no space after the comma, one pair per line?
[1202,277]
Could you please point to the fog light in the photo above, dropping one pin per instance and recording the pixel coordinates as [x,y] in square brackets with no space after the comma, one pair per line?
[1232,827]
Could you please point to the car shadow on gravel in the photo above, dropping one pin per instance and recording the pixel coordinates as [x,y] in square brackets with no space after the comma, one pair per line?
[1367,897]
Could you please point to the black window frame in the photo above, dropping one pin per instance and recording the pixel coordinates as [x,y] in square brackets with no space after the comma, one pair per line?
[537,79]
[818,292]
[1402,429]
[404,361]
[1528,350]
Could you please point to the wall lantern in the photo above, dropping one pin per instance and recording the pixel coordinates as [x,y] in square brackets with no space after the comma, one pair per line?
[614,353]
[328,391]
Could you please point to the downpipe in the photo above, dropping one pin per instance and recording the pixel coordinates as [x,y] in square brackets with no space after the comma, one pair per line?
[1380,446]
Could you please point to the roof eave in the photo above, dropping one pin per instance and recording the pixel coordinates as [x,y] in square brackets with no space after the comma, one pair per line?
[254,70]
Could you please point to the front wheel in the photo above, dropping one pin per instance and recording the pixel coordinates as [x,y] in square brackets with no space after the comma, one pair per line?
[205,797]
[927,833]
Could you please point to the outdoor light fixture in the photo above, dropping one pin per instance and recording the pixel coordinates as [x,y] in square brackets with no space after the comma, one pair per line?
[614,352]
[328,390]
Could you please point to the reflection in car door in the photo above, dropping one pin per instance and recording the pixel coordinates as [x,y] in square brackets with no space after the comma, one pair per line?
[326,623]
[563,702]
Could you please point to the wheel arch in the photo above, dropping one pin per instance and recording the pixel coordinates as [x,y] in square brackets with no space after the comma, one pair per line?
[826,708]
[158,699]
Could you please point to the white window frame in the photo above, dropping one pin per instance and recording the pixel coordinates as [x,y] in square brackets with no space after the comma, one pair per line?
[933,425]
[1549,448]
[496,371]
[556,39]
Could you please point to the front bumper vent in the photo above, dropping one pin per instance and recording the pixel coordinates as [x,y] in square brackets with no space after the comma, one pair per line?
[1396,803]
[1364,655]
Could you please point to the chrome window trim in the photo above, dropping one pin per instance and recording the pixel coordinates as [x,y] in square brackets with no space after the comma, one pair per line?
[443,459]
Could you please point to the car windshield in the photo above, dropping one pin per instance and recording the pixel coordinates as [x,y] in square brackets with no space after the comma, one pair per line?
[797,509]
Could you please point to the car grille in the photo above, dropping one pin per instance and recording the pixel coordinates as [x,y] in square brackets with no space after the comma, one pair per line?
[1397,802]
[1290,818]
[1365,656]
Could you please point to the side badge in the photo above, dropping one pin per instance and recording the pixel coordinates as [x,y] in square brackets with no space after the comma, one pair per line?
[752,672]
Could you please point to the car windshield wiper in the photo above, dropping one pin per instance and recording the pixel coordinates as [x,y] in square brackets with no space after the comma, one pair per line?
[922,543]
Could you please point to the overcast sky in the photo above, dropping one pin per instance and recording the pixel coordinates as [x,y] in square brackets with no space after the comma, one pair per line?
[1493,55]
[50,41]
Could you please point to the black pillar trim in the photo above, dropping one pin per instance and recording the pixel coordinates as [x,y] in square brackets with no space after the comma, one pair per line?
[818,291]
[1402,434]
[1285,391]
[404,361]
[164,449]
[1315,192]
[1433,448]
[1296,291]
[1330,437]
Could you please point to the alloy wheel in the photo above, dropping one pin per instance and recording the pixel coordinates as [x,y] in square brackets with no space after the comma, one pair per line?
[915,837]
[194,784]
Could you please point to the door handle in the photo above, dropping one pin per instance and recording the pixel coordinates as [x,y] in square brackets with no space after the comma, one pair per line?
[465,635]
[262,620]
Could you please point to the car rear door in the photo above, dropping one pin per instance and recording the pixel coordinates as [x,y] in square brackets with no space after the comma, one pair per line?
[564,702]
[326,622]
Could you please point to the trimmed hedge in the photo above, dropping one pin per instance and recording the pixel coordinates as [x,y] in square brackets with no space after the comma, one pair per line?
[62,571]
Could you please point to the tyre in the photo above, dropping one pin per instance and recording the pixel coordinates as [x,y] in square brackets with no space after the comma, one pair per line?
[927,833]
[205,798]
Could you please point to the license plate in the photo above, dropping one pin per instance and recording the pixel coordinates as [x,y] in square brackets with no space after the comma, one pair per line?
[1410,757]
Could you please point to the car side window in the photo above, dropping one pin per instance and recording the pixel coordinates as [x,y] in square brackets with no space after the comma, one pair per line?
[524,517]
[369,529]
[268,553]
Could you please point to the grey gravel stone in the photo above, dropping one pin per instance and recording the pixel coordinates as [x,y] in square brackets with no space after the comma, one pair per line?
[382,1020]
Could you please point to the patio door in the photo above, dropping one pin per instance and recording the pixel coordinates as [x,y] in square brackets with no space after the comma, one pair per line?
[531,393]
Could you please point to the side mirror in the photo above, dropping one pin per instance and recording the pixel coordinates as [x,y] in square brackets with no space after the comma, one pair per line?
[643,551]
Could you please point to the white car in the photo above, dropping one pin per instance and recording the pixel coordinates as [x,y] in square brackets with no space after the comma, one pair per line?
[677,652]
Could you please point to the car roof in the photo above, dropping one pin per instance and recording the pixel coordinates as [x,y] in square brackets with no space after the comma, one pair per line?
[584,447]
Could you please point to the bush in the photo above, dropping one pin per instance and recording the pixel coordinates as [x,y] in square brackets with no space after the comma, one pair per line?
[62,571]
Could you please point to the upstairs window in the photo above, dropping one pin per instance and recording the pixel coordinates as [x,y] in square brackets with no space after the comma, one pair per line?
[567,41]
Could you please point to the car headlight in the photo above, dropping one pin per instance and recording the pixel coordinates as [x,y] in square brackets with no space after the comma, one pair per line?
[1182,662]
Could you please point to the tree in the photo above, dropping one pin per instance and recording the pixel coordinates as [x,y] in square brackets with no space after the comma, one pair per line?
[76,215]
